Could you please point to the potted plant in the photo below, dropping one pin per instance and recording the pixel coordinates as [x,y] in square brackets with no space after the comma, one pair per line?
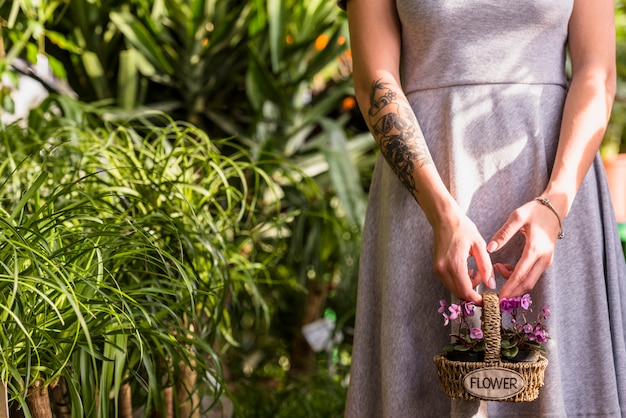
[500,376]
[522,337]
[468,344]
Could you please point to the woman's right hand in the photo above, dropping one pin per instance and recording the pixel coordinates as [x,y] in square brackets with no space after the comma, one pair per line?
[375,40]
[455,241]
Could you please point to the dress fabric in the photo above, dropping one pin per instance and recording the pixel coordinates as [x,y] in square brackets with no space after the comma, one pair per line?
[486,80]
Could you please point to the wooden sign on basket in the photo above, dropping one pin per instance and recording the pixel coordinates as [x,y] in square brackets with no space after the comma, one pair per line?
[494,383]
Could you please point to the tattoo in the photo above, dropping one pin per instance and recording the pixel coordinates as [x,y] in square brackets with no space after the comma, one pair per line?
[394,126]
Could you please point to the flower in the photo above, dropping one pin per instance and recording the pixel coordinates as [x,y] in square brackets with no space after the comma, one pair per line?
[468,308]
[522,334]
[476,333]
[517,332]
[509,305]
[455,311]
[443,305]
[468,338]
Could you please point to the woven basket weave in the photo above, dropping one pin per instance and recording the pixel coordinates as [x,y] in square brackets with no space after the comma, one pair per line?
[491,379]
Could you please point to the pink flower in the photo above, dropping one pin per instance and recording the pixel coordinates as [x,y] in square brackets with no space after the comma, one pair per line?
[468,308]
[540,334]
[455,311]
[528,328]
[442,306]
[476,333]
[546,311]
[507,305]
[525,301]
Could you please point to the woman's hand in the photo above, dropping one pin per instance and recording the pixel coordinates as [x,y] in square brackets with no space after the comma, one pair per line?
[455,241]
[540,228]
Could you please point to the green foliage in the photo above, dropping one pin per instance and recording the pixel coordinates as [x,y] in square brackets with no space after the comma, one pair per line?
[316,396]
[120,246]
[272,76]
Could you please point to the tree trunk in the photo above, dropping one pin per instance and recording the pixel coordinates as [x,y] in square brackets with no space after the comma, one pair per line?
[168,402]
[187,395]
[302,356]
[167,408]
[59,399]
[125,401]
[4,401]
[38,401]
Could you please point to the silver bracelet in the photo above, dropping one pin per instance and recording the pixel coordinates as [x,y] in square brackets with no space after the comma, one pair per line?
[547,204]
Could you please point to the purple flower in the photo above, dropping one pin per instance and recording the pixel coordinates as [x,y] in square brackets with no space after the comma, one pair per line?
[442,306]
[476,333]
[546,311]
[446,319]
[507,305]
[468,308]
[455,311]
[540,335]
[528,328]
[525,301]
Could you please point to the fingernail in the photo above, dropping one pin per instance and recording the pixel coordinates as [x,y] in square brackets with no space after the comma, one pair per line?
[491,283]
[491,247]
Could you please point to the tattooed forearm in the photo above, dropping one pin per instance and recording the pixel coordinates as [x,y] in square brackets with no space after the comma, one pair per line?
[394,126]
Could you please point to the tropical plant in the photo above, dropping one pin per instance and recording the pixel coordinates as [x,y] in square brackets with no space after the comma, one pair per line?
[121,246]
[273,75]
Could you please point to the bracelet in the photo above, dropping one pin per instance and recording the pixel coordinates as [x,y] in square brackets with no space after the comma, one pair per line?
[547,204]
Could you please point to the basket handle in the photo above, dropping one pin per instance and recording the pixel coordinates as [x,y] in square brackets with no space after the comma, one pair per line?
[491,323]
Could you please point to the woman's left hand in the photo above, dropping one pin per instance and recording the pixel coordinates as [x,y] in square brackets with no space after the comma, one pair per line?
[540,229]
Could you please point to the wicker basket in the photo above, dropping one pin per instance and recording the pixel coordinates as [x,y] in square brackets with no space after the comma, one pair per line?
[491,379]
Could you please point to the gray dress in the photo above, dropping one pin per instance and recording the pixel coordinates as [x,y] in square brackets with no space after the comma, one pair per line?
[486,81]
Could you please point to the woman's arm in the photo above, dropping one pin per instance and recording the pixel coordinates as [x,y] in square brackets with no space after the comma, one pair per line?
[375,42]
[585,116]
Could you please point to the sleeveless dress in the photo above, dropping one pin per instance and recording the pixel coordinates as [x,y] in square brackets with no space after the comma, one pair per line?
[486,80]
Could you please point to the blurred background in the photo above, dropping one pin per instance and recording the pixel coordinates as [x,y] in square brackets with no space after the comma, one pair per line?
[182,191]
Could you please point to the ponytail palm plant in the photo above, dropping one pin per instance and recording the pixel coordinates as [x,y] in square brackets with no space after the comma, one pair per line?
[120,246]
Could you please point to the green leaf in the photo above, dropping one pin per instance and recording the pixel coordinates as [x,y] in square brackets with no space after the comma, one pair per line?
[510,352]
[95,71]
[506,344]
[481,346]
[128,79]
[140,38]
[8,105]
[276,23]
[63,42]
[449,348]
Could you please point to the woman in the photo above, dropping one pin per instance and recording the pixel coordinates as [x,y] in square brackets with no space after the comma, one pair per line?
[488,157]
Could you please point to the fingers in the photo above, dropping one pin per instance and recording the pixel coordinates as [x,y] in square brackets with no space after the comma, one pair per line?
[506,232]
[505,270]
[485,268]
[457,279]
[537,253]
[476,278]
[525,275]
[520,282]
[469,294]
